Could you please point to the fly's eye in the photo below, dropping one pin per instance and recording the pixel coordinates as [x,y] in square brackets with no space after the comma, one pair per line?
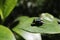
[37,22]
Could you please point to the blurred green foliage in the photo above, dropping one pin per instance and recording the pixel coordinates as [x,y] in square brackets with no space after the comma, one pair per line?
[17,17]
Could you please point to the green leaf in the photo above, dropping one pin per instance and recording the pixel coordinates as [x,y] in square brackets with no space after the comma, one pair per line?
[1,14]
[8,7]
[6,34]
[27,35]
[50,25]
[20,32]
[1,3]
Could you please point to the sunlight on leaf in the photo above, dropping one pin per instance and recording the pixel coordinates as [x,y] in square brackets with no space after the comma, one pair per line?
[27,35]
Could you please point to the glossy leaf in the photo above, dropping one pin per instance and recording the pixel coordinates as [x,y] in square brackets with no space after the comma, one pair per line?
[50,25]
[8,7]
[6,34]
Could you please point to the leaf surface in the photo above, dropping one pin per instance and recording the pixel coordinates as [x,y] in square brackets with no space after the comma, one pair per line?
[8,7]
[6,34]
[50,25]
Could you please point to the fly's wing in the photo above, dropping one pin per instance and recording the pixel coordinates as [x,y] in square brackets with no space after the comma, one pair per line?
[48,18]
